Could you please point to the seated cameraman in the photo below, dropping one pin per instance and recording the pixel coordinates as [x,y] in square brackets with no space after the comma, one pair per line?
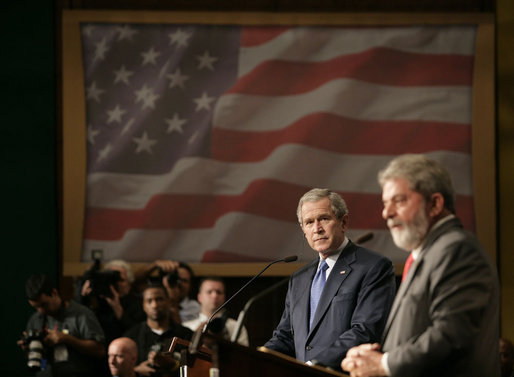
[211,295]
[72,338]
[109,294]
[155,334]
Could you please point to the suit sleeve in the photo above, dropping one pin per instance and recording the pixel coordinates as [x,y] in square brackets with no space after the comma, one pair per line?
[372,302]
[283,337]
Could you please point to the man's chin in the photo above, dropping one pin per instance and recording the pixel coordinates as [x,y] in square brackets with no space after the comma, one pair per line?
[405,245]
[324,251]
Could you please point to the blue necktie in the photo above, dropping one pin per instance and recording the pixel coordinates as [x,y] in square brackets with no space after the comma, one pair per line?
[317,288]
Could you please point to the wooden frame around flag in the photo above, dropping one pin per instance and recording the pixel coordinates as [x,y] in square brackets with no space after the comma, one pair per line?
[74,128]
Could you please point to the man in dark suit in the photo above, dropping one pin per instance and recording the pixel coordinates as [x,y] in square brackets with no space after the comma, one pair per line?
[445,318]
[339,300]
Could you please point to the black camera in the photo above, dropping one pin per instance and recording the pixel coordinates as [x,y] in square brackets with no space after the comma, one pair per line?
[34,340]
[167,362]
[100,281]
[172,277]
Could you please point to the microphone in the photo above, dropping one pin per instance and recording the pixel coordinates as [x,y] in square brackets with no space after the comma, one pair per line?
[195,342]
[364,238]
[291,258]
[242,313]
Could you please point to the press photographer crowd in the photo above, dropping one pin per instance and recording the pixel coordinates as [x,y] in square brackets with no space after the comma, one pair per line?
[120,323]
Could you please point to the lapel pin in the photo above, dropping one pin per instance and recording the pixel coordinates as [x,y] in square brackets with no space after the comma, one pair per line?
[343,272]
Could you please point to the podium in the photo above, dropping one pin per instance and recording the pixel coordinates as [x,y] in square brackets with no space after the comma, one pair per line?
[192,365]
[234,360]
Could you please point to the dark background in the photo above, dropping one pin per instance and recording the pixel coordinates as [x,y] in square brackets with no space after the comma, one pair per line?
[30,146]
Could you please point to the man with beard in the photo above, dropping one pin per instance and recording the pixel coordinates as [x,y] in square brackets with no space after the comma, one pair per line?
[154,335]
[445,317]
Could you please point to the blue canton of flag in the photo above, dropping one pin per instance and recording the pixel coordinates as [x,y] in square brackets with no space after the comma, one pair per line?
[150,92]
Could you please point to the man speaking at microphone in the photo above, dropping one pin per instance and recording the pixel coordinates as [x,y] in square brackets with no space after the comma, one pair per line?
[445,318]
[339,300]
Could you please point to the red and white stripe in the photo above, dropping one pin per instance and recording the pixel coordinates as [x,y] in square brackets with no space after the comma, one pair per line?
[312,108]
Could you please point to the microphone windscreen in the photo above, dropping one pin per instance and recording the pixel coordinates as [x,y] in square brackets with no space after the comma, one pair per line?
[290,258]
[364,238]
[217,325]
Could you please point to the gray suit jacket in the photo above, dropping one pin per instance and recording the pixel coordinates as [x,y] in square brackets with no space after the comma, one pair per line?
[445,317]
[352,309]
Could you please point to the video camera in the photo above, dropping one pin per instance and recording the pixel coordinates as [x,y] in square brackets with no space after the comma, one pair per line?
[172,277]
[100,281]
[34,340]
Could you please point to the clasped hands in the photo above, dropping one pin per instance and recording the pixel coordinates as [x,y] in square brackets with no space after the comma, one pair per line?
[364,361]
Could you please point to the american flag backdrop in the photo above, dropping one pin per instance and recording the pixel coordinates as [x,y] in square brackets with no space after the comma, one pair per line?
[202,138]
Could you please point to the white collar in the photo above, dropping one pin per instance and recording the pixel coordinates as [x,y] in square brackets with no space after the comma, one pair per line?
[332,258]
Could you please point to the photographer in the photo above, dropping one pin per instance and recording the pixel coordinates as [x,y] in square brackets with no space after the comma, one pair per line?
[155,334]
[178,282]
[66,334]
[109,294]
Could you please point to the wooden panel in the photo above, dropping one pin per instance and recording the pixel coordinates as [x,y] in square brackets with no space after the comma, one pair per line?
[289,5]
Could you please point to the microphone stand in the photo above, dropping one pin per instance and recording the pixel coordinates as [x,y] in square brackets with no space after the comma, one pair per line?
[242,313]
[195,341]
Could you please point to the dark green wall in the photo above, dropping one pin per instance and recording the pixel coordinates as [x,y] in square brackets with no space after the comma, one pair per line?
[28,158]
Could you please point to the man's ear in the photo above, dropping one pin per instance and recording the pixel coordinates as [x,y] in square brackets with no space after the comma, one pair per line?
[436,205]
[345,220]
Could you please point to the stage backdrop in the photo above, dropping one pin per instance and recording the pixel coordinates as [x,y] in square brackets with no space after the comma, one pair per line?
[192,136]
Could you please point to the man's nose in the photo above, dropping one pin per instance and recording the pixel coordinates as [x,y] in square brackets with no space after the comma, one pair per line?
[388,211]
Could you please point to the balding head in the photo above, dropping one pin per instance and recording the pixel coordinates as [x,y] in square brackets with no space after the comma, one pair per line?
[122,357]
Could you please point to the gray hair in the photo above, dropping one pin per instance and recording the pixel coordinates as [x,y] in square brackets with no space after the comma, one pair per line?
[337,203]
[122,264]
[423,174]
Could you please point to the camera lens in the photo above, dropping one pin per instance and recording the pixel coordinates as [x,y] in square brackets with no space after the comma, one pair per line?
[35,354]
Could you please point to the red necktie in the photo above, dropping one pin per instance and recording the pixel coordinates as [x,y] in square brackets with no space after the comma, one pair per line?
[407,265]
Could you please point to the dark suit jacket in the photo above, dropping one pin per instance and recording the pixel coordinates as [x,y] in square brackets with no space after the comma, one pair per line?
[445,318]
[352,309]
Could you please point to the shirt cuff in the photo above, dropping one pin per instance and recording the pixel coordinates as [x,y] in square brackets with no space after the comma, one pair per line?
[385,365]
